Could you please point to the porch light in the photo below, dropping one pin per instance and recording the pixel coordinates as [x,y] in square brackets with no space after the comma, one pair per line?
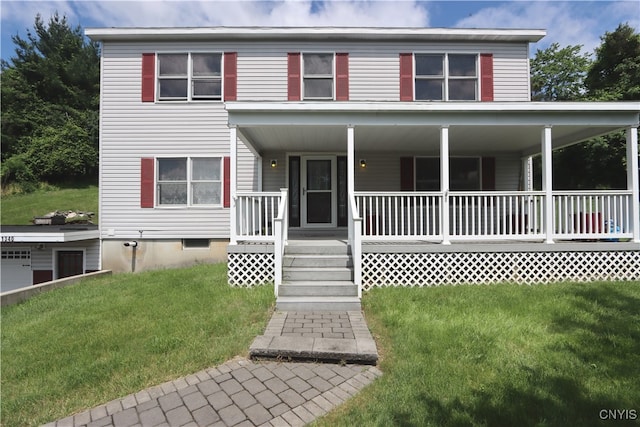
[274,163]
[363,163]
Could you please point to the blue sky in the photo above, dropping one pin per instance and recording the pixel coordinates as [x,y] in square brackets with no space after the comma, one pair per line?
[566,22]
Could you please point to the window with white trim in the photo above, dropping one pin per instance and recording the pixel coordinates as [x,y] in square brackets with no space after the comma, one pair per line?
[186,181]
[464,173]
[318,75]
[446,77]
[189,76]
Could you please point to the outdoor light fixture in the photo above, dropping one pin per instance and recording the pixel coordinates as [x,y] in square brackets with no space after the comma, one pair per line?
[363,163]
[274,163]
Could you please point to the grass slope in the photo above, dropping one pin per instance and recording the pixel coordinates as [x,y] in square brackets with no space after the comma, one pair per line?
[19,209]
[84,345]
[501,356]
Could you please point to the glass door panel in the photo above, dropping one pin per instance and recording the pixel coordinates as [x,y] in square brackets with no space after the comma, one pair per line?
[318,191]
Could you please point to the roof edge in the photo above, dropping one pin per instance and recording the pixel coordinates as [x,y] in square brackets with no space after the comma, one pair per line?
[309,33]
[393,106]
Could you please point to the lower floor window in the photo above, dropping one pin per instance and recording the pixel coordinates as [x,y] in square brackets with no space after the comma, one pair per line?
[464,173]
[188,181]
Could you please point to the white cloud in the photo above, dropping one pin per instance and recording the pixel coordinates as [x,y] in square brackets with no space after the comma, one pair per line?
[21,14]
[250,13]
[567,23]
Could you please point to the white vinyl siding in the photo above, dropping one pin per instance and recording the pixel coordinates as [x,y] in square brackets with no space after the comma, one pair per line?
[43,259]
[131,129]
[383,171]
[373,67]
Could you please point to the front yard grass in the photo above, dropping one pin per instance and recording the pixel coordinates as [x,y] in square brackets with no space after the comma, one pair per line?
[545,355]
[84,345]
[507,355]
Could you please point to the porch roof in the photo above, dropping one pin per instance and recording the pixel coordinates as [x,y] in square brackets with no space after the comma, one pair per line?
[401,126]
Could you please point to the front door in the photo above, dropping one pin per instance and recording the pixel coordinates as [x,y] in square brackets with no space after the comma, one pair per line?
[318,184]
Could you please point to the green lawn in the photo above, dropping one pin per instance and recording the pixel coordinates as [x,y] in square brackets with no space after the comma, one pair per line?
[545,355]
[84,345]
[19,209]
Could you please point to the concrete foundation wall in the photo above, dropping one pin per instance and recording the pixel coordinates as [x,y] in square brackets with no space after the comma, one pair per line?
[158,254]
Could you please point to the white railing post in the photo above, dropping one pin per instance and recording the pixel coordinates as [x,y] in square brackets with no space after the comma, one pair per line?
[280,238]
[444,183]
[233,155]
[285,216]
[355,241]
[632,180]
[547,185]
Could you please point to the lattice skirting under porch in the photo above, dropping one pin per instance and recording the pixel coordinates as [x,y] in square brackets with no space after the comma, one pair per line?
[432,269]
[250,269]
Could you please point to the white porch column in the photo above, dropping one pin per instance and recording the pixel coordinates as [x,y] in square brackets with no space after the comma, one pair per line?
[233,175]
[547,184]
[444,182]
[632,180]
[351,158]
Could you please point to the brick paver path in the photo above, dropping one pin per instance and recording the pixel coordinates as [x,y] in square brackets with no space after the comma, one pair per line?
[242,392]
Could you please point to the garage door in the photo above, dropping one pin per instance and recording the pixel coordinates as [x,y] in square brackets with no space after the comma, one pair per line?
[16,269]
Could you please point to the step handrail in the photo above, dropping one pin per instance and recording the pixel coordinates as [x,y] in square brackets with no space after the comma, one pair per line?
[281,234]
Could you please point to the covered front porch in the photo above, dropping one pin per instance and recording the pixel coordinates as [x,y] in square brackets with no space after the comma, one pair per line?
[428,180]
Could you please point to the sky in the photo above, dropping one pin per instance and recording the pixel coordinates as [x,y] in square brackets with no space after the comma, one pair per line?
[566,22]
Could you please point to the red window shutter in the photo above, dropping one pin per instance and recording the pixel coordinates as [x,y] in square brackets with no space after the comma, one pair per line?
[406,174]
[406,77]
[147,178]
[230,76]
[488,173]
[293,76]
[486,77]
[148,77]
[226,200]
[342,76]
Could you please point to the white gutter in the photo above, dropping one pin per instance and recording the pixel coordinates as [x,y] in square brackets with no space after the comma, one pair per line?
[444,107]
[317,33]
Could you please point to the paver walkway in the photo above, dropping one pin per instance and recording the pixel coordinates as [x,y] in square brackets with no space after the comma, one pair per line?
[337,336]
[243,392]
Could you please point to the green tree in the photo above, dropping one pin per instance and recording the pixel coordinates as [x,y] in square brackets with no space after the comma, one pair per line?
[558,74]
[615,73]
[50,100]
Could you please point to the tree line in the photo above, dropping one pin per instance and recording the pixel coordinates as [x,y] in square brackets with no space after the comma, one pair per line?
[50,97]
[50,106]
[611,74]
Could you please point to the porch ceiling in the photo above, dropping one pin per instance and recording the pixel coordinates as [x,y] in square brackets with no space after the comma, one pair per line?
[462,139]
[473,127]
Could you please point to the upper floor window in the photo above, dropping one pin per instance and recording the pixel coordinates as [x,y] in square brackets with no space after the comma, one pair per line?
[189,76]
[446,77]
[318,75]
[189,181]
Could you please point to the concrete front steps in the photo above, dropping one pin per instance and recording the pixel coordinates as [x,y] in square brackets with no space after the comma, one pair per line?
[317,276]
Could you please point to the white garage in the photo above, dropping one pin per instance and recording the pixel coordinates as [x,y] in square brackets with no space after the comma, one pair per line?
[34,254]
[15,269]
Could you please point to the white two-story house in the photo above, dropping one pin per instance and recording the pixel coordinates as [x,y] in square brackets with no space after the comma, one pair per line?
[360,157]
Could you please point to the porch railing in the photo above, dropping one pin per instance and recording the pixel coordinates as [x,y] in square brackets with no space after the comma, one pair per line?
[593,214]
[495,215]
[399,215]
[355,242]
[281,232]
[255,215]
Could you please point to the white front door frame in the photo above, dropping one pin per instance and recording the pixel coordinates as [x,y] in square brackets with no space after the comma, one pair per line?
[304,190]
